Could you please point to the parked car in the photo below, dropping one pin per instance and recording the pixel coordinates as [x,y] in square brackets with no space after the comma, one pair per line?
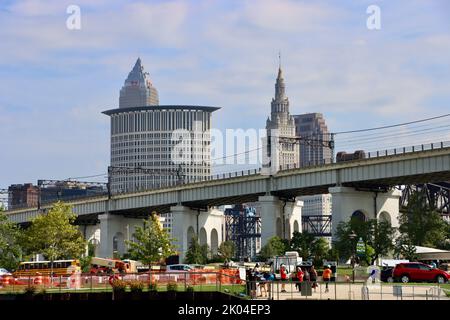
[4,272]
[416,271]
[386,274]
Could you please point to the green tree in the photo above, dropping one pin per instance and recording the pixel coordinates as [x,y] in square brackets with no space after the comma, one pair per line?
[301,242]
[10,249]
[421,223]
[195,253]
[54,236]
[378,238]
[152,242]
[381,239]
[274,247]
[319,250]
[206,253]
[227,250]
[404,248]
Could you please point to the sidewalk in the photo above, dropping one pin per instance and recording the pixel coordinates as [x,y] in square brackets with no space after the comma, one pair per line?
[354,291]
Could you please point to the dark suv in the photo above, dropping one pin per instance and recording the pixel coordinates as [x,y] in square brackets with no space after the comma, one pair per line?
[416,271]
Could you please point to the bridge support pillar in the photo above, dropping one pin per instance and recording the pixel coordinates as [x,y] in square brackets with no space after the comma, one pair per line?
[114,230]
[208,226]
[348,202]
[279,218]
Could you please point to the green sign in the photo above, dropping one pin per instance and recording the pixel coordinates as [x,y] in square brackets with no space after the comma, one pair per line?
[360,247]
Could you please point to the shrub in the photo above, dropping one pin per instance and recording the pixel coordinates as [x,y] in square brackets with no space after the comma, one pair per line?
[119,285]
[172,286]
[136,286]
[152,286]
[190,289]
[30,290]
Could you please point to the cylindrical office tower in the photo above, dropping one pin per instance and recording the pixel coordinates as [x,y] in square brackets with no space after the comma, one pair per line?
[170,142]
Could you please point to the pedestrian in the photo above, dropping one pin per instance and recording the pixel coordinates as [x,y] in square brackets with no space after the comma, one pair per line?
[256,277]
[326,276]
[283,275]
[262,284]
[251,281]
[299,277]
[313,277]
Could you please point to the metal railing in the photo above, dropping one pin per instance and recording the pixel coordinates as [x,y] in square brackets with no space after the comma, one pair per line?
[294,290]
[199,281]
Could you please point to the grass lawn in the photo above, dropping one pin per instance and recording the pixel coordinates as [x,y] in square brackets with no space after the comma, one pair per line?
[345,271]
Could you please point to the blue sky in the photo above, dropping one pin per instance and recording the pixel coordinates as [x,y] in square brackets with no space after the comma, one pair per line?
[55,82]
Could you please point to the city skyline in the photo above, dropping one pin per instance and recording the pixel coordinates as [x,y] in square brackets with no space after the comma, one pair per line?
[333,64]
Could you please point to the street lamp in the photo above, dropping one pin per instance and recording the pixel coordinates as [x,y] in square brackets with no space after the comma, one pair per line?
[352,236]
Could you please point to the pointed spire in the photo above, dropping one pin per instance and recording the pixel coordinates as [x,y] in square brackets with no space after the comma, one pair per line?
[280,72]
[138,79]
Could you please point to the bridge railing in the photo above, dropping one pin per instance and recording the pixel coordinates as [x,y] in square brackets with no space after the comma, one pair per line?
[408,149]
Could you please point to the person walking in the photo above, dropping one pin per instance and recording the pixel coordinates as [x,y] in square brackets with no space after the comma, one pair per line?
[313,278]
[283,275]
[299,278]
[326,276]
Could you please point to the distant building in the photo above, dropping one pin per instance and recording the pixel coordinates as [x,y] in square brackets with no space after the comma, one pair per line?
[66,190]
[22,195]
[142,137]
[283,122]
[138,90]
[314,212]
[28,195]
[317,205]
[313,150]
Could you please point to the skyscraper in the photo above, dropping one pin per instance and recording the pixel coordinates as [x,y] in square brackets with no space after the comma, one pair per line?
[282,124]
[144,135]
[138,90]
[314,149]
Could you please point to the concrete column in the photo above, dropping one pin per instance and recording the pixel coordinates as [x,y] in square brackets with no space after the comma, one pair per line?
[183,218]
[373,205]
[272,211]
[293,211]
[271,208]
[116,226]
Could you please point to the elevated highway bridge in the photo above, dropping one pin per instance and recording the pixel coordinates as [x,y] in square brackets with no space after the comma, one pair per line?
[351,183]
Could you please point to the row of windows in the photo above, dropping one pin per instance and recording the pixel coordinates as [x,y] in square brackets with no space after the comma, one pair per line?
[128,160]
[152,120]
[156,165]
[205,136]
[44,265]
[160,142]
[159,149]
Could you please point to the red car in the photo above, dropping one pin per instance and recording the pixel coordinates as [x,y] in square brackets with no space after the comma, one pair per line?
[416,271]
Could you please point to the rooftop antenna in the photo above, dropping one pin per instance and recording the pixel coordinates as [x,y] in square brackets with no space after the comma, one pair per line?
[279,59]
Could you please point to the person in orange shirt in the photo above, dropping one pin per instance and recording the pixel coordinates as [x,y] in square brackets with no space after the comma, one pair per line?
[326,276]
[299,278]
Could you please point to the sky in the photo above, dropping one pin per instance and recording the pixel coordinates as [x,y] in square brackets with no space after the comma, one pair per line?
[55,82]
